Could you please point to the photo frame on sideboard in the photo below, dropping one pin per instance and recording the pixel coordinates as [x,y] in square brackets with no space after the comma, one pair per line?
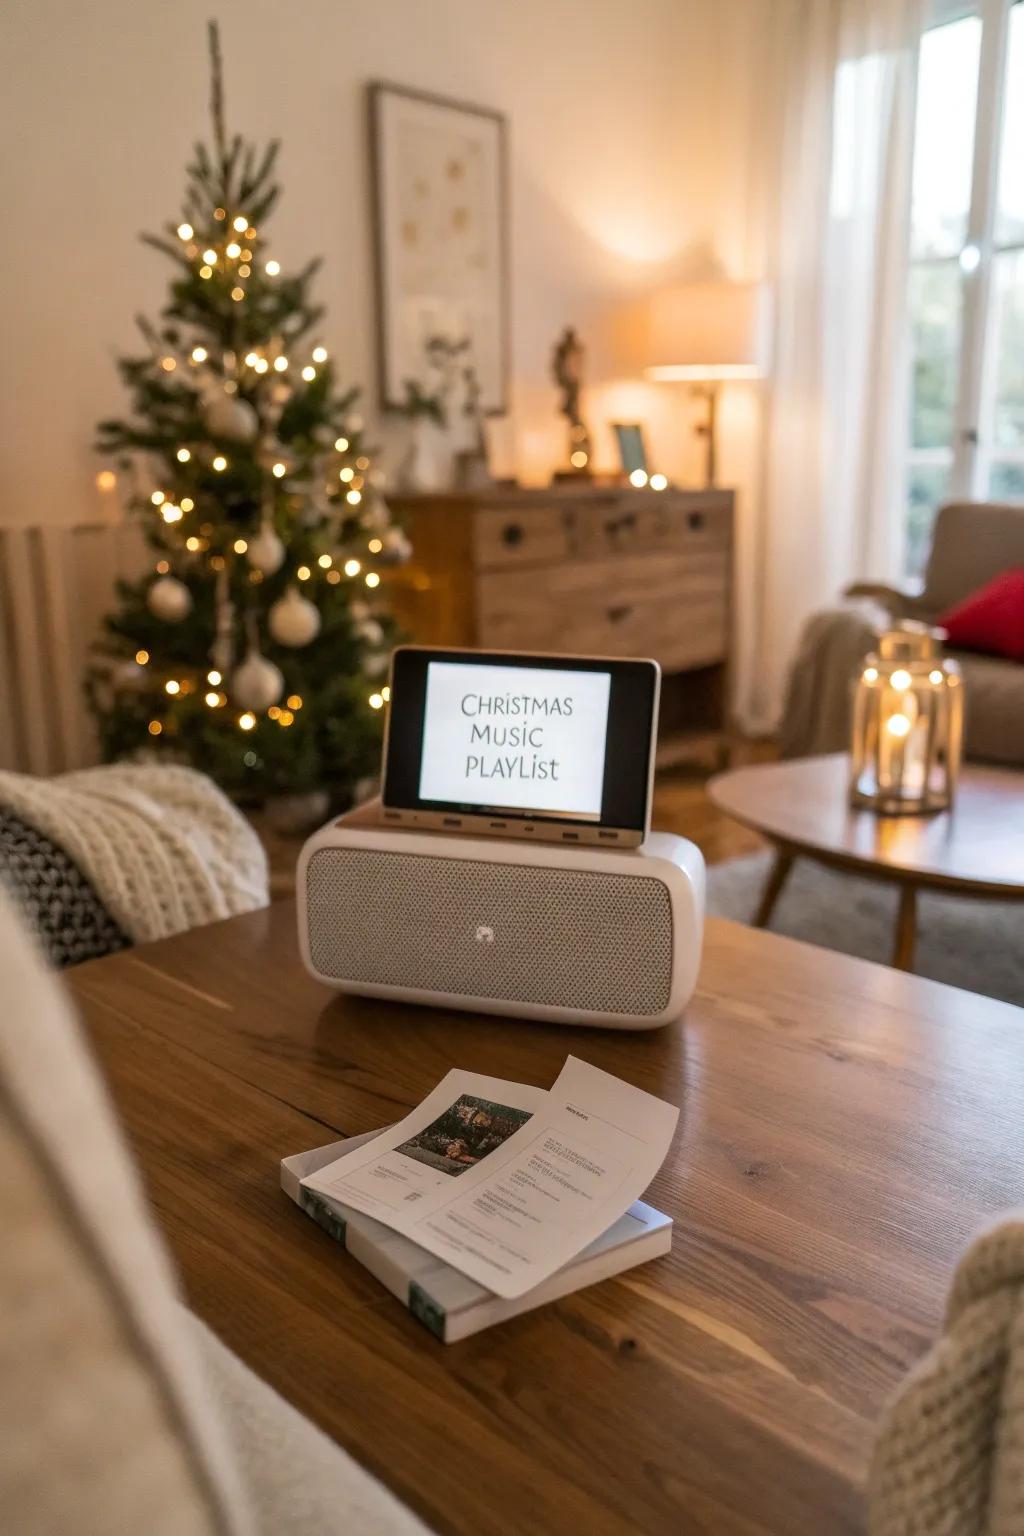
[439,178]
[629,436]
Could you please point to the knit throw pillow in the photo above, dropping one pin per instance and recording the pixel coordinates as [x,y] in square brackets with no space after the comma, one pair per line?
[991,619]
[70,921]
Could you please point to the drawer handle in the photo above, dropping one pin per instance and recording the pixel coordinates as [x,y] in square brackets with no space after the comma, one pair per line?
[512,534]
[619,612]
[695,520]
[614,526]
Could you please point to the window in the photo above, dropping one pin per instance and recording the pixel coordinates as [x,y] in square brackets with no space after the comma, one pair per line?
[966,281]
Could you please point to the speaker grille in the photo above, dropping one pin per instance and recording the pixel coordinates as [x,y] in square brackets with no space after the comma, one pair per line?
[565,938]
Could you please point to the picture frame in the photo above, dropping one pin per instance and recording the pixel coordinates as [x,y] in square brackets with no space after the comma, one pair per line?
[629,436]
[439,177]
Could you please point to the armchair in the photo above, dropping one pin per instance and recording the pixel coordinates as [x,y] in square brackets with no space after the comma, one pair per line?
[972,542]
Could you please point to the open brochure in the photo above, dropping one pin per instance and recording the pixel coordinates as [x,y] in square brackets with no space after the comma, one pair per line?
[505,1182]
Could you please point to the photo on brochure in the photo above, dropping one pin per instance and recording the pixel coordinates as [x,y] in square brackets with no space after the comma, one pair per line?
[464,1134]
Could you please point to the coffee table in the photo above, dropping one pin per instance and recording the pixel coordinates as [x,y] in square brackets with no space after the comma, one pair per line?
[844,1129]
[802,808]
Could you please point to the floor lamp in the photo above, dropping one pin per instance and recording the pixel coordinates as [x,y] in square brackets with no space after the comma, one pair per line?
[707,334]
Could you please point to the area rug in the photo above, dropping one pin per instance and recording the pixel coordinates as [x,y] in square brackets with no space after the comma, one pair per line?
[978,945]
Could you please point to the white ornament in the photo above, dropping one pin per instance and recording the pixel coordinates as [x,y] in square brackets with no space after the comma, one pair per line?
[257,684]
[294,620]
[230,418]
[266,552]
[169,599]
[376,666]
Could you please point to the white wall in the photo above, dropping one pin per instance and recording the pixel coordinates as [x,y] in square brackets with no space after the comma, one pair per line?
[628,161]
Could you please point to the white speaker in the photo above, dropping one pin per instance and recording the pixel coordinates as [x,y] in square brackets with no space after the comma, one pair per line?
[533,930]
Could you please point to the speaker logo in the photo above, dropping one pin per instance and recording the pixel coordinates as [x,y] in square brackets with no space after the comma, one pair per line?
[484,935]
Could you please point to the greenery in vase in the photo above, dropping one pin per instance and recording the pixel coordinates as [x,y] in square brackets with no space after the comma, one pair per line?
[441,356]
[257,648]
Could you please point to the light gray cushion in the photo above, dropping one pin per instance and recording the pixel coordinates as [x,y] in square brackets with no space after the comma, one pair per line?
[112,1420]
[299,1483]
[106,1424]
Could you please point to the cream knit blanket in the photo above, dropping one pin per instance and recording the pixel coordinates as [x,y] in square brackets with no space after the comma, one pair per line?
[163,847]
[950,1454]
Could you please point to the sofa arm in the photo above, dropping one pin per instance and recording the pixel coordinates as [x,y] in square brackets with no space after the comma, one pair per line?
[900,603]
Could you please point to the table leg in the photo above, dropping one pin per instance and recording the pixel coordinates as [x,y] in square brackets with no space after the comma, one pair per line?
[906,929]
[777,877]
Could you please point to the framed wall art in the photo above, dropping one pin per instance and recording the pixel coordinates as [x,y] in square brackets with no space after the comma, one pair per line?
[439,178]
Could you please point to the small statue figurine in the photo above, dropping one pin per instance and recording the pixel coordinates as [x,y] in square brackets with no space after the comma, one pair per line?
[567,372]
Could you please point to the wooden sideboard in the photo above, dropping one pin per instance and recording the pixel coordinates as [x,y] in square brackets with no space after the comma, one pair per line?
[593,570]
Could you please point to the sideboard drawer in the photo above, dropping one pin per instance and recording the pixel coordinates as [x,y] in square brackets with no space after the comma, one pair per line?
[510,538]
[670,606]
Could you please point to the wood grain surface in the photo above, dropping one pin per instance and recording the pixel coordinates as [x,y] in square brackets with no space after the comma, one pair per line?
[803,806]
[844,1128]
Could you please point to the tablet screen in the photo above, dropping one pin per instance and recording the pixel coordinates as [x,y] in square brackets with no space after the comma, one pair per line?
[543,738]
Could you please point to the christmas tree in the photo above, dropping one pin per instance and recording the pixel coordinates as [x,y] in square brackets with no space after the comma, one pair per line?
[257,647]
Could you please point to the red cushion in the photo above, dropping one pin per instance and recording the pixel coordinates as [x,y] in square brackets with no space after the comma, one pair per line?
[991,619]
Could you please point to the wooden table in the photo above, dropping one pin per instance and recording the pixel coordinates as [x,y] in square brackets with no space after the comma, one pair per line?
[844,1128]
[802,807]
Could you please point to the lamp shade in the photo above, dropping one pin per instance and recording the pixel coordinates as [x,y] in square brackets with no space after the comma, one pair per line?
[707,331]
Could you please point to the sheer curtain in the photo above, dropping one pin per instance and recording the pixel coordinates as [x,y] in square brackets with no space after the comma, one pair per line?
[833,152]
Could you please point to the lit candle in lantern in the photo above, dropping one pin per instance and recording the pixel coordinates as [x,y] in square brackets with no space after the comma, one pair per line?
[907,724]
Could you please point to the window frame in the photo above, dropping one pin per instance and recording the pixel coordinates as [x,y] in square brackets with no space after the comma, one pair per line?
[970,455]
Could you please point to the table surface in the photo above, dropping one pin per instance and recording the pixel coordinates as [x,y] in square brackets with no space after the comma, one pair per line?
[844,1128]
[804,805]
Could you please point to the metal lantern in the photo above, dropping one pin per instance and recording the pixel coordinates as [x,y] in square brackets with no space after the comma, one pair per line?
[907,724]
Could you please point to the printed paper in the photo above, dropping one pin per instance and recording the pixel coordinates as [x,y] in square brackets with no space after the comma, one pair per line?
[504,1181]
